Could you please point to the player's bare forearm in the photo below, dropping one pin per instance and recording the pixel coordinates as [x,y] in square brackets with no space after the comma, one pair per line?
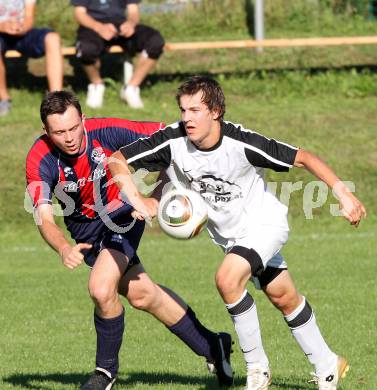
[71,255]
[122,176]
[316,166]
[351,207]
[51,232]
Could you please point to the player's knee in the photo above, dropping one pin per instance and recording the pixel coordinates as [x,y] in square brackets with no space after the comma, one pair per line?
[226,284]
[102,295]
[52,40]
[144,299]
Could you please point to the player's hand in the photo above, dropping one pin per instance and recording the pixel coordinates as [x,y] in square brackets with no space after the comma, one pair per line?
[146,209]
[352,209]
[127,29]
[107,31]
[72,256]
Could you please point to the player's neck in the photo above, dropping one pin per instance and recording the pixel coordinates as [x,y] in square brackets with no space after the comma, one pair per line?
[212,139]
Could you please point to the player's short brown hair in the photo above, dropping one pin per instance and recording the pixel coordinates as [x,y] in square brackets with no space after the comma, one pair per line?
[57,102]
[213,95]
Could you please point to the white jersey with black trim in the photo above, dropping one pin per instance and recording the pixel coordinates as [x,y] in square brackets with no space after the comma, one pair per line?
[229,176]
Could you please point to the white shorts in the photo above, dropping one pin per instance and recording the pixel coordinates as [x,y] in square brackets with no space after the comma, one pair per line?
[267,241]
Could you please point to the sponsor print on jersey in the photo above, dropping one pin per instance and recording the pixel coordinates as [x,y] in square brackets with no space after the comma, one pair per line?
[213,189]
[97,155]
[71,186]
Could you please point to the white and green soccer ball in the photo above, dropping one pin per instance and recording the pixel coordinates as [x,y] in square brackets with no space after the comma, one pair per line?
[182,213]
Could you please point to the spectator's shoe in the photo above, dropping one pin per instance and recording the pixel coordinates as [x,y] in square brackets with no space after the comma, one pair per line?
[258,378]
[94,97]
[131,95]
[98,381]
[5,106]
[330,381]
[221,366]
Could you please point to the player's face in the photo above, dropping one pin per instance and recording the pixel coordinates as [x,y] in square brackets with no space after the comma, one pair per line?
[202,125]
[66,130]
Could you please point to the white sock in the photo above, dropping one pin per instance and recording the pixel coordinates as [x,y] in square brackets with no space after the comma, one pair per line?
[305,330]
[245,318]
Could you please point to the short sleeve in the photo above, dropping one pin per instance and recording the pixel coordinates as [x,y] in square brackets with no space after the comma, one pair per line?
[152,153]
[40,178]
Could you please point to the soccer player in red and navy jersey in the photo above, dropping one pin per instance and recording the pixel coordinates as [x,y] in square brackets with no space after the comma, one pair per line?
[69,162]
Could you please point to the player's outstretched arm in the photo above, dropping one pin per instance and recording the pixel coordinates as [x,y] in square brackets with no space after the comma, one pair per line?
[145,208]
[71,254]
[352,209]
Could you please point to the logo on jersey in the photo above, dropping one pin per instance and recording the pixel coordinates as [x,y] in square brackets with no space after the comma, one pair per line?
[98,155]
[71,186]
[214,189]
[117,238]
[68,171]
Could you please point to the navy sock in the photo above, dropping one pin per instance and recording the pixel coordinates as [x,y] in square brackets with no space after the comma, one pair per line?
[109,339]
[195,335]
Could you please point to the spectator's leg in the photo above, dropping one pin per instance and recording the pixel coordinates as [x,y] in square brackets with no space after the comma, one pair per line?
[149,43]
[90,47]
[93,72]
[5,103]
[143,67]
[4,95]
[54,61]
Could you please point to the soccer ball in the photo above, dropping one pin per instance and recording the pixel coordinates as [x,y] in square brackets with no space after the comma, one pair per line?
[182,213]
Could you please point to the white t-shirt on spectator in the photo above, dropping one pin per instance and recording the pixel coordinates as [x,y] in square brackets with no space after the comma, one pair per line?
[13,9]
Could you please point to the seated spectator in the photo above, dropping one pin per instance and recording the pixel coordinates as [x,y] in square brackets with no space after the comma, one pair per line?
[17,33]
[106,23]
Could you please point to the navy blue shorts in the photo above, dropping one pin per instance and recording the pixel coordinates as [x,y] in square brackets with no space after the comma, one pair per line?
[32,44]
[126,243]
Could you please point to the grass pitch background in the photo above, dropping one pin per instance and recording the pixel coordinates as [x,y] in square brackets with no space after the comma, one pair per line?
[320,99]
[47,339]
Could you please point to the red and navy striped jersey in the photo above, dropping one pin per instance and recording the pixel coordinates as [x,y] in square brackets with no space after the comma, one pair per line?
[82,184]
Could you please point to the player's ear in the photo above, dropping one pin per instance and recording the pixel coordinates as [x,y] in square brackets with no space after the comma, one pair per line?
[216,114]
[83,118]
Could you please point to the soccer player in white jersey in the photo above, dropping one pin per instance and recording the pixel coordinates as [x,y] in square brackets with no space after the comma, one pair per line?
[224,163]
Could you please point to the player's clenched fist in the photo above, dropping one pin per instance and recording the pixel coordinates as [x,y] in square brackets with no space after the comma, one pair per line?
[72,256]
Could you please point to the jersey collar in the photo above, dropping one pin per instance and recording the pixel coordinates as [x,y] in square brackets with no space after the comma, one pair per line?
[217,144]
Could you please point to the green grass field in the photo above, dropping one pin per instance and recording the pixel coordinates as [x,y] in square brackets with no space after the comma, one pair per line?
[47,339]
[321,99]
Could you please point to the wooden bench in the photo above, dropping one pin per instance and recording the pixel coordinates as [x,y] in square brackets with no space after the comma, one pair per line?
[247,43]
